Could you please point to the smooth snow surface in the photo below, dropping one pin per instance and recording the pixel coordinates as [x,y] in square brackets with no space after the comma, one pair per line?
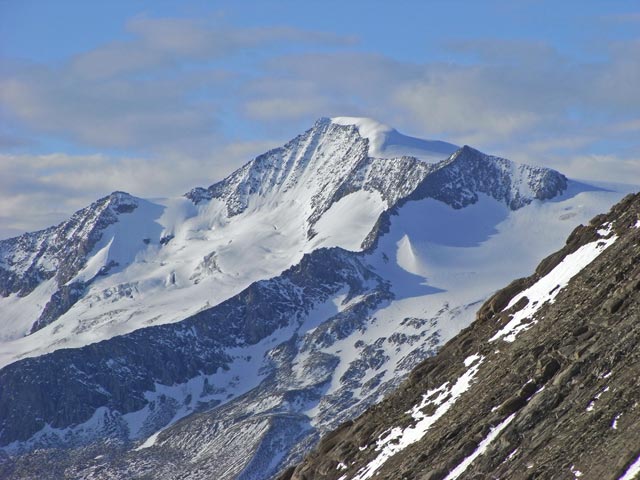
[386,142]
[18,315]
[359,211]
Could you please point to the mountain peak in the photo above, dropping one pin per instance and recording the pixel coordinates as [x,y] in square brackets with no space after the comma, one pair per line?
[60,251]
[371,129]
[340,155]
[468,172]
[121,202]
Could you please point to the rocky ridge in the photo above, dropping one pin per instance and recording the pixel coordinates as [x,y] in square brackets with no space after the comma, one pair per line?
[60,251]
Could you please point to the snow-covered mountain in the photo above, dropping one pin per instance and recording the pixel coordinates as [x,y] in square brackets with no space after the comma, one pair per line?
[228,328]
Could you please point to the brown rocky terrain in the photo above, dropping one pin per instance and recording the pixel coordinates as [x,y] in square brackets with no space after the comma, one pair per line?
[561,401]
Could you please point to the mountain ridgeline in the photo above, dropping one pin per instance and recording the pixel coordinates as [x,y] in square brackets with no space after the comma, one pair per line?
[222,333]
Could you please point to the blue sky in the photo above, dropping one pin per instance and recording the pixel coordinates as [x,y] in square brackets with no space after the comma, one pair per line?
[155,97]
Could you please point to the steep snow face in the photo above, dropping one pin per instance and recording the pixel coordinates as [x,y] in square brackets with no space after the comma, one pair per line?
[385,141]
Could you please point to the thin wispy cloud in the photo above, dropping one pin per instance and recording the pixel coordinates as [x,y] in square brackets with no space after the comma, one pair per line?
[37,191]
[157,91]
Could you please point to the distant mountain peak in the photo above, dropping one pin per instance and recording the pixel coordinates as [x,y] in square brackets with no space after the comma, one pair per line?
[340,155]
[335,151]
[60,251]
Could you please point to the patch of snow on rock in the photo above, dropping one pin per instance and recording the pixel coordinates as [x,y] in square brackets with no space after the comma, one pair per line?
[547,288]
[398,439]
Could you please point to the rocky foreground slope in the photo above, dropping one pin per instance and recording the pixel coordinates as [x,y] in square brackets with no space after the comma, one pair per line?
[544,384]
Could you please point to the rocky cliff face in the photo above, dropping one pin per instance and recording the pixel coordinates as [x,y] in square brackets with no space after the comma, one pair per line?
[542,385]
[459,180]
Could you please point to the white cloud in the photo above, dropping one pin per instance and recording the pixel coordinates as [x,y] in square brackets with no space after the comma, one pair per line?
[507,94]
[157,91]
[167,42]
[110,113]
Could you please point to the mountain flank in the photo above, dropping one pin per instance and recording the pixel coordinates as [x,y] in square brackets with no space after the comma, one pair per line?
[543,385]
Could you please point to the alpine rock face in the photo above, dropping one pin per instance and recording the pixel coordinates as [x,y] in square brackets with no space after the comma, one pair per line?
[219,334]
[544,384]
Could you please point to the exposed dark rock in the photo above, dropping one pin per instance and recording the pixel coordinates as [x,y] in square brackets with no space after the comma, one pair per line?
[60,303]
[458,180]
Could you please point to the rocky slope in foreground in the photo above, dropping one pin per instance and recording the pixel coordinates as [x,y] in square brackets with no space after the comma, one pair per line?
[544,384]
